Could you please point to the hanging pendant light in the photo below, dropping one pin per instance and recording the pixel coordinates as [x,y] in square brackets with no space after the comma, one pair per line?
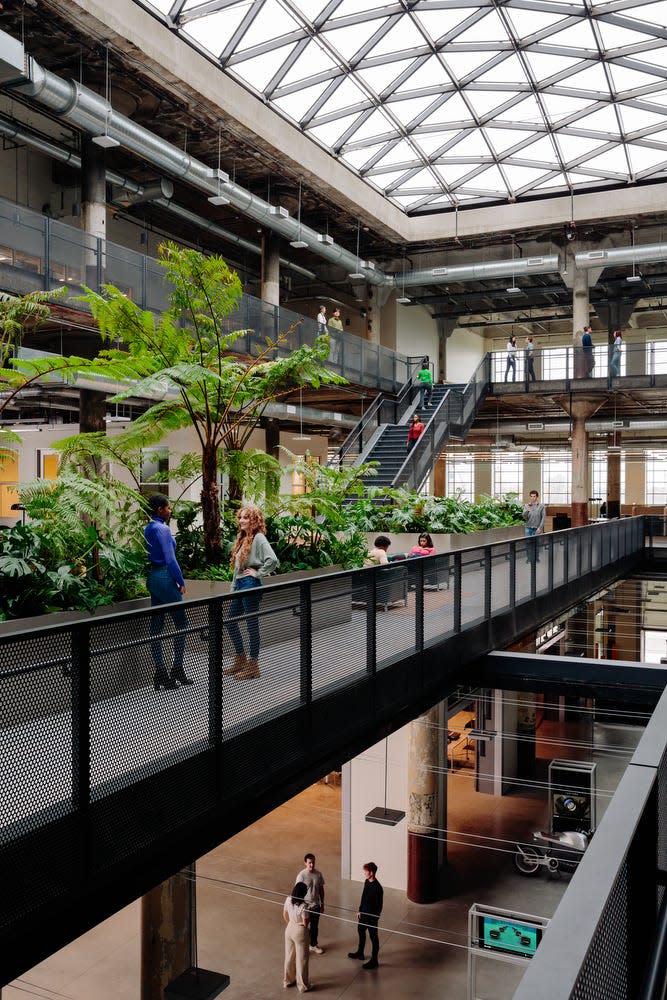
[106,141]
[301,436]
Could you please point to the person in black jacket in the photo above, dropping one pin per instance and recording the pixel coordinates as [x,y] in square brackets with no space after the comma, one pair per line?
[368,916]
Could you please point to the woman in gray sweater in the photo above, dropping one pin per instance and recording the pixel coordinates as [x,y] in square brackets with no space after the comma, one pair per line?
[252,558]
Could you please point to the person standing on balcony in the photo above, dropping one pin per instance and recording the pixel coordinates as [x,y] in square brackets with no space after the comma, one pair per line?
[425,379]
[615,366]
[166,586]
[587,348]
[415,431]
[252,558]
[534,514]
[335,323]
[529,359]
[511,358]
[322,321]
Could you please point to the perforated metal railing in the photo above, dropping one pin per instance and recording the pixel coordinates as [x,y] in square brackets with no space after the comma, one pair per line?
[102,777]
[600,943]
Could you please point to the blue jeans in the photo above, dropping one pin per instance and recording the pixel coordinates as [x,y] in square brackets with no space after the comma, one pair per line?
[245,604]
[425,390]
[529,532]
[163,590]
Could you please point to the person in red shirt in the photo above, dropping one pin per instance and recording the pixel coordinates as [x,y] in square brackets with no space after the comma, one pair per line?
[415,431]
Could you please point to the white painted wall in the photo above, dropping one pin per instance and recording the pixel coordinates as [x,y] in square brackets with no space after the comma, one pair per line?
[465,350]
[363,790]
[416,333]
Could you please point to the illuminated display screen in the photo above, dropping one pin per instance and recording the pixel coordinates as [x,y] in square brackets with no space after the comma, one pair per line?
[509,936]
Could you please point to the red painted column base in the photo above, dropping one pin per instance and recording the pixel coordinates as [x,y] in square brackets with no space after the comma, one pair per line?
[579,514]
[422,868]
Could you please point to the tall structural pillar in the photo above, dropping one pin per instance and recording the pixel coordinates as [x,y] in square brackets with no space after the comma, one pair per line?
[426,804]
[614,475]
[93,196]
[580,409]
[166,933]
[270,278]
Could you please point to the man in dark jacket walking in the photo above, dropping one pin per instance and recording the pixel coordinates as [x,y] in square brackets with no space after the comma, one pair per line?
[368,916]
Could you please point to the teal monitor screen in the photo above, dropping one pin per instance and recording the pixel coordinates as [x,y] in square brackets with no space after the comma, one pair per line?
[509,936]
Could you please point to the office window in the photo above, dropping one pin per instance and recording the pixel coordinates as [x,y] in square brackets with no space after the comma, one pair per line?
[599,475]
[507,474]
[656,477]
[460,476]
[656,357]
[555,363]
[556,478]
[154,471]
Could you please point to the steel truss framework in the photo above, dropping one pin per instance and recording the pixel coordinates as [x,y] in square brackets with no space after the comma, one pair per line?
[446,103]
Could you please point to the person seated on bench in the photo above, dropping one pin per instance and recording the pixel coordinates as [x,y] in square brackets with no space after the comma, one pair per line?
[377,556]
[424,546]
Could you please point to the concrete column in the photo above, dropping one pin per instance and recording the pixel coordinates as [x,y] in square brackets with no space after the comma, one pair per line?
[614,476]
[635,480]
[445,328]
[372,317]
[580,314]
[483,477]
[580,409]
[93,203]
[426,755]
[270,268]
[166,933]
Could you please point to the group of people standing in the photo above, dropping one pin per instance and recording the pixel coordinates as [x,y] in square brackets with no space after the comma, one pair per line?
[587,354]
[252,558]
[302,911]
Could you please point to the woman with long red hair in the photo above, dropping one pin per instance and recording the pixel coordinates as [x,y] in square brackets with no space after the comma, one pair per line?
[252,558]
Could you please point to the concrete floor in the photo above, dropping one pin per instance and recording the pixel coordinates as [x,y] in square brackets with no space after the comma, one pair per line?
[242,884]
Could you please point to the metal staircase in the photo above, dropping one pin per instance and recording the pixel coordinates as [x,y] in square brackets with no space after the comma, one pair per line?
[381,435]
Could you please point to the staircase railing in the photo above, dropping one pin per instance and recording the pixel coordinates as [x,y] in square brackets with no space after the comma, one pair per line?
[452,417]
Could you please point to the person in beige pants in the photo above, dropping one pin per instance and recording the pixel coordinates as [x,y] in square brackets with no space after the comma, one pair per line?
[295,915]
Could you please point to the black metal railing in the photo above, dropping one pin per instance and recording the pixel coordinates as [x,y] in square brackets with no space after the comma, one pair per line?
[38,253]
[643,363]
[99,772]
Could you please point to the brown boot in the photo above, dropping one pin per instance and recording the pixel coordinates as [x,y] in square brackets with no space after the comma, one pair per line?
[239,663]
[251,670]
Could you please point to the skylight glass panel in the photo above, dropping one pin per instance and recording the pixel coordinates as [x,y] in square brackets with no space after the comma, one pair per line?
[431,142]
[350,39]
[358,158]
[378,78]
[407,111]
[402,152]
[484,101]
[423,179]
[164,6]
[430,74]
[453,110]
[604,121]
[376,124]
[509,71]
[490,180]
[297,104]
[453,173]
[521,178]
[487,29]
[346,96]
[573,146]
[502,139]
[215,30]
[652,13]
[527,112]
[387,181]
[644,159]
[271,22]
[312,60]
[462,64]
[629,79]
[559,107]
[438,23]
[653,57]
[552,181]
[578,178]
[635,119]
[576,36]
[261,69]
[406,201]
[616,37]
[403,36]
[614,161]
[472,144]
[545,66]
[311,8]
[592,79]
[657,97]
[528,22]
[541,151]
[374,7]
[332,131]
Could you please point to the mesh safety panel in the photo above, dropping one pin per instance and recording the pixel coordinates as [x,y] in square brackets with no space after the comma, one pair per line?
[472,587]
[500,578]
[395,601]
[438,599]
[338,648]
[524,561]
[559,549]
[605,973]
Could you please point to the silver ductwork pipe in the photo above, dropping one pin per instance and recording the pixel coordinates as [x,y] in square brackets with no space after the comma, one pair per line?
[19,134]
[91,112]
[646,254]
[592,426]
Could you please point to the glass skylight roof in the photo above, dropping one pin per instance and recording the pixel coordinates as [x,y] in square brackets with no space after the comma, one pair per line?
[444,102]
